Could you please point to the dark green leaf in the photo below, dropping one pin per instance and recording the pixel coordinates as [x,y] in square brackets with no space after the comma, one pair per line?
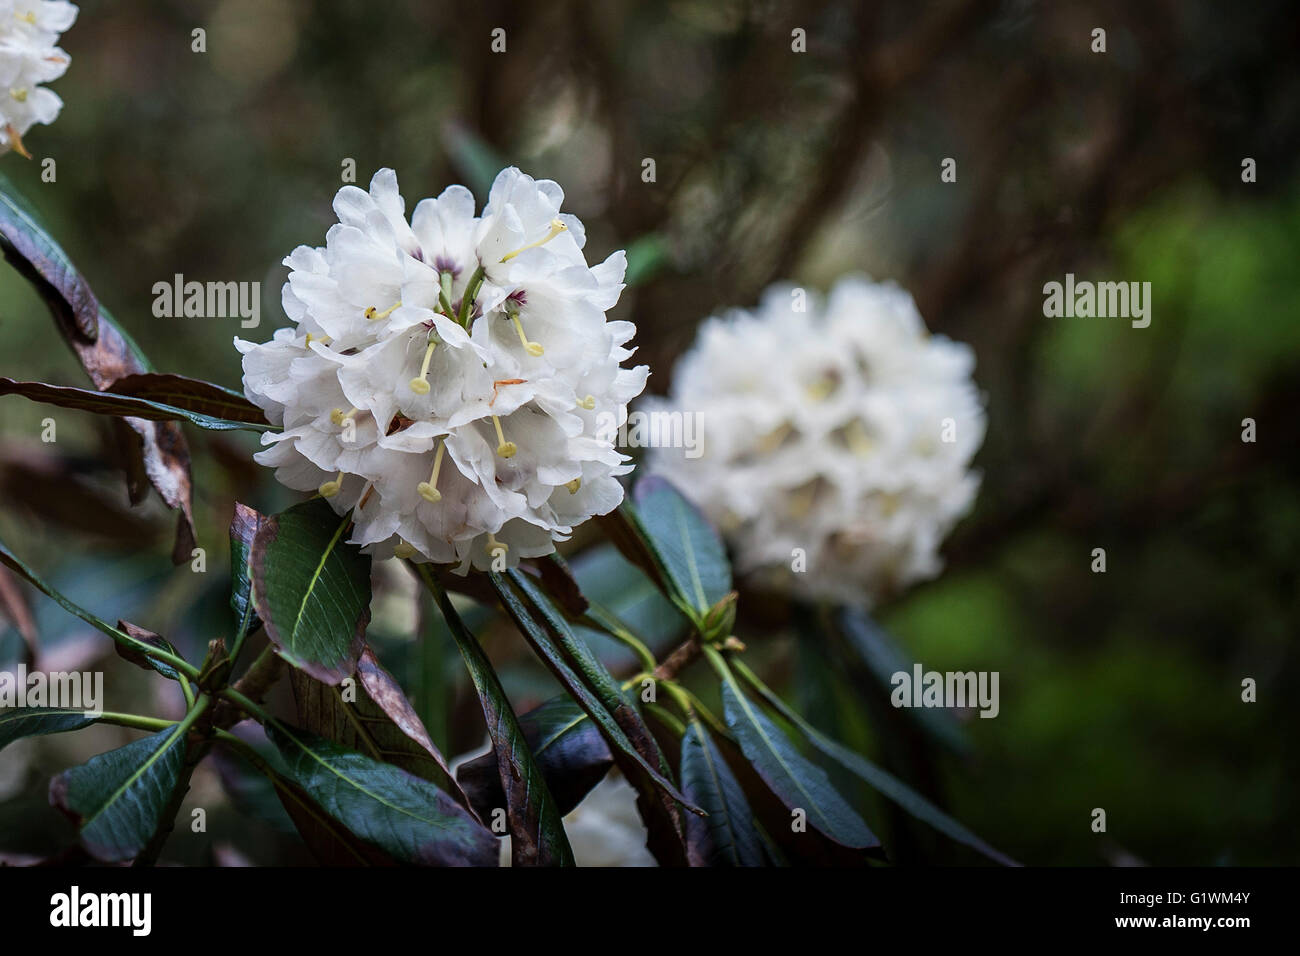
[312,589]
[687,547]
[117,798]
[536,828]
[567,747]
[16,722]
[883,782]
[726,837]
[121,637]
[800,784]
[631,744]
[407,817]
[107,403]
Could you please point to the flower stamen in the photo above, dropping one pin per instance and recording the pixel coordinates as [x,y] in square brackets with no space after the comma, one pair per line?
[573,485]
[329,489]
[428,489]
[506,449]
[374,315]
[532,348]
[557,227]
[420,384]
[588,403]
[338,416]
[19,94]
[494,547]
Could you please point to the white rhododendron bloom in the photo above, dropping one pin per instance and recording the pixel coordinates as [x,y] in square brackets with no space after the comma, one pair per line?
[29,56]
[837,438]
[445,378]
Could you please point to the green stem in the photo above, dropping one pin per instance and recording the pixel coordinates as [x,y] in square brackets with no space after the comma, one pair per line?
[136,721]
[245,704]
[188,691]
[605,621]
[471,292]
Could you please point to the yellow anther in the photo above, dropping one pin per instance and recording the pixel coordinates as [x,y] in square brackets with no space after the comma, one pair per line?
[859,441]
[429,489]
[557,227]
[403,550]
[495,547]
[420,384]
[29,17]
[506,449]
[19,94]
[374,315]
[338,416]
[331,488]
[323,340]
[821,389]
[588,403]
[573,485]
[532,348]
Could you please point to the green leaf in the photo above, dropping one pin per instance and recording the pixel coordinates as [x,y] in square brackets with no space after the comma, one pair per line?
[686,546]
[121,637]
[312,589]
[108,403]
[631,744]
[536,828]
[566,746]
[800,784]
[407,817]
[875,777]
[19,722]
[726,837]
[117,798]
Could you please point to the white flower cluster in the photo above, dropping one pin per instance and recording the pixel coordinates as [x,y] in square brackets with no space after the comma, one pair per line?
[837,439]
[445,378]
[29,30]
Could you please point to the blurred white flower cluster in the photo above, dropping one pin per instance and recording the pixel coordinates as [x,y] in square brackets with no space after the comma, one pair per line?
[837,439]
[445,377]
[29,32]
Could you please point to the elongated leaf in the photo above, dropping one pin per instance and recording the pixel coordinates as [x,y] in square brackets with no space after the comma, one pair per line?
[567,747]
[586,678]
[107,403]
[16,722]
[243,529]
[121,637]
[688,548]
[631,744]
[726,837]
[117,798]
[799,784]
[191,394]
[312,589]
[381,722]
[877,778]
[407,817]
[536,828]
[139,658]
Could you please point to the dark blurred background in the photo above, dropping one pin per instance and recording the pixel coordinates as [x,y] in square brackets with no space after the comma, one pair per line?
[1120,691]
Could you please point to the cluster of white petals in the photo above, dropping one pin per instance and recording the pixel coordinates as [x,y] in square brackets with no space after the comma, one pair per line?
[29,56]
[837,439]
[451,379]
